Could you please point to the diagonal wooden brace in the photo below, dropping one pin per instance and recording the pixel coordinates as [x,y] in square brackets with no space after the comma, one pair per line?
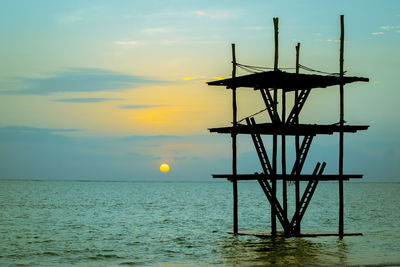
[307,196]
[275,205]
[304,148]
[294,113]
[269,103]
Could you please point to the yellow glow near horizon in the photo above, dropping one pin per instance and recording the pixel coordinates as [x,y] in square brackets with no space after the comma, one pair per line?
[164,167]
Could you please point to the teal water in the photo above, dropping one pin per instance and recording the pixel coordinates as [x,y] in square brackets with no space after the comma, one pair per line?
[71,223]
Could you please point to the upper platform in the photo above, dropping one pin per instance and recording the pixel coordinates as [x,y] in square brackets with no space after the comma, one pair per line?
[285,80]
[289,129]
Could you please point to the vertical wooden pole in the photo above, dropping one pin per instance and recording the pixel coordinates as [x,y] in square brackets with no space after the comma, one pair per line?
[341,206]
[234,148]
[274,137]
[284,182]
[297,142]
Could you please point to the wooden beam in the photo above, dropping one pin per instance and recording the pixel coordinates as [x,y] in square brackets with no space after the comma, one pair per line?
[301,177]
[284,182]
[276,32]
[297,143]
[234,146]
[341,122]
[274,137]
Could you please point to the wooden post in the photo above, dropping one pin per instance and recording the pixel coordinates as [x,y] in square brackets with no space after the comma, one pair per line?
[341,132]
[234,148]
[274,137]
[284,182]
[297,142]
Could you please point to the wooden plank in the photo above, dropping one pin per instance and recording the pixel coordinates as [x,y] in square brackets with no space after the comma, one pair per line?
[298,177]
[290,129]
[267,234]
[285,80]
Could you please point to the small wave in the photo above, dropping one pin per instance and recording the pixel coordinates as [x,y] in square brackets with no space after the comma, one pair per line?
[105,256]
[130,263]
[48,253]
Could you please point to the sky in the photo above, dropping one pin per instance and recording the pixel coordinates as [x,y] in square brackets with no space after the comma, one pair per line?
[109,90]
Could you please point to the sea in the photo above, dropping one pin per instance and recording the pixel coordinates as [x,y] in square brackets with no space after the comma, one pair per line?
[127,223]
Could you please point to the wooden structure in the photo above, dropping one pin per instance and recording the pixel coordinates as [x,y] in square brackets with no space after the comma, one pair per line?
[269,83]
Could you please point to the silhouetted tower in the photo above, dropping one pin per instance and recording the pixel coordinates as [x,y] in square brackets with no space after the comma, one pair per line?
[269,84]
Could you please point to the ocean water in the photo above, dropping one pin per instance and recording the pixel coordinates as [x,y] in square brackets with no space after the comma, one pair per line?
[72,223]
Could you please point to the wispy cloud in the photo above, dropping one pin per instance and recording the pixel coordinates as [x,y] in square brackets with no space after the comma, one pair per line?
[148,137]
[194,78]
[254,28]
[202,78]
[80,15]
[80,80]
[27,133]
[333,41]
[167,42]
[214,15]
[389,27]
[128,43]
[156,30]
[85,100]
[191,42]
[140,106]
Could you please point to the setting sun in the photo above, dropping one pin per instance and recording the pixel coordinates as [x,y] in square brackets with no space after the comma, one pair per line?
[164,167]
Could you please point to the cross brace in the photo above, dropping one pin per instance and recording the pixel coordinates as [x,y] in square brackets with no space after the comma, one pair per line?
[289,227]
[260,148]
[269,103]
[298,106]
[306,198]
[301,158]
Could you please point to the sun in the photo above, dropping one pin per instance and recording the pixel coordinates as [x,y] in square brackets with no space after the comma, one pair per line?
[164,167]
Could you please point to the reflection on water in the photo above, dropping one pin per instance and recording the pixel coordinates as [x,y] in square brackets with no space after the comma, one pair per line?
[183,224]
[239,250]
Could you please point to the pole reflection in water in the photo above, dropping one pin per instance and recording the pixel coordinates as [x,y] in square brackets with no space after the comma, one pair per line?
[243,250]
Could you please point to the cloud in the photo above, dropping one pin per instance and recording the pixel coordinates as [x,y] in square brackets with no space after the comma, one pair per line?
[80,80]
[332,40]
[140,106]
[85,100]
[141,138]
[377,33]
[214,15]
[128,43]
[156,30]
[190,42]
[202,78]
[389,27]
[33,134]
[254,28]
[81,15]
[195,78]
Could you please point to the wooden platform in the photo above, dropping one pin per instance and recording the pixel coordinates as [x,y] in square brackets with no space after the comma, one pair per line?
[288,177]
[285,80]
[289,129]
[304,233]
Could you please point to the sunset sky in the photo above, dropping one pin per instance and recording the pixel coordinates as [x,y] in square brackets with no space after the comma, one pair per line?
[112,89]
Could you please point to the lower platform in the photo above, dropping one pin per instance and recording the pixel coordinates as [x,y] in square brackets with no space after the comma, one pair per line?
[289,177]
[304,233]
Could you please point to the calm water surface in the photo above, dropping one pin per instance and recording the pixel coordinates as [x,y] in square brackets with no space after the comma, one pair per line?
[47,223]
